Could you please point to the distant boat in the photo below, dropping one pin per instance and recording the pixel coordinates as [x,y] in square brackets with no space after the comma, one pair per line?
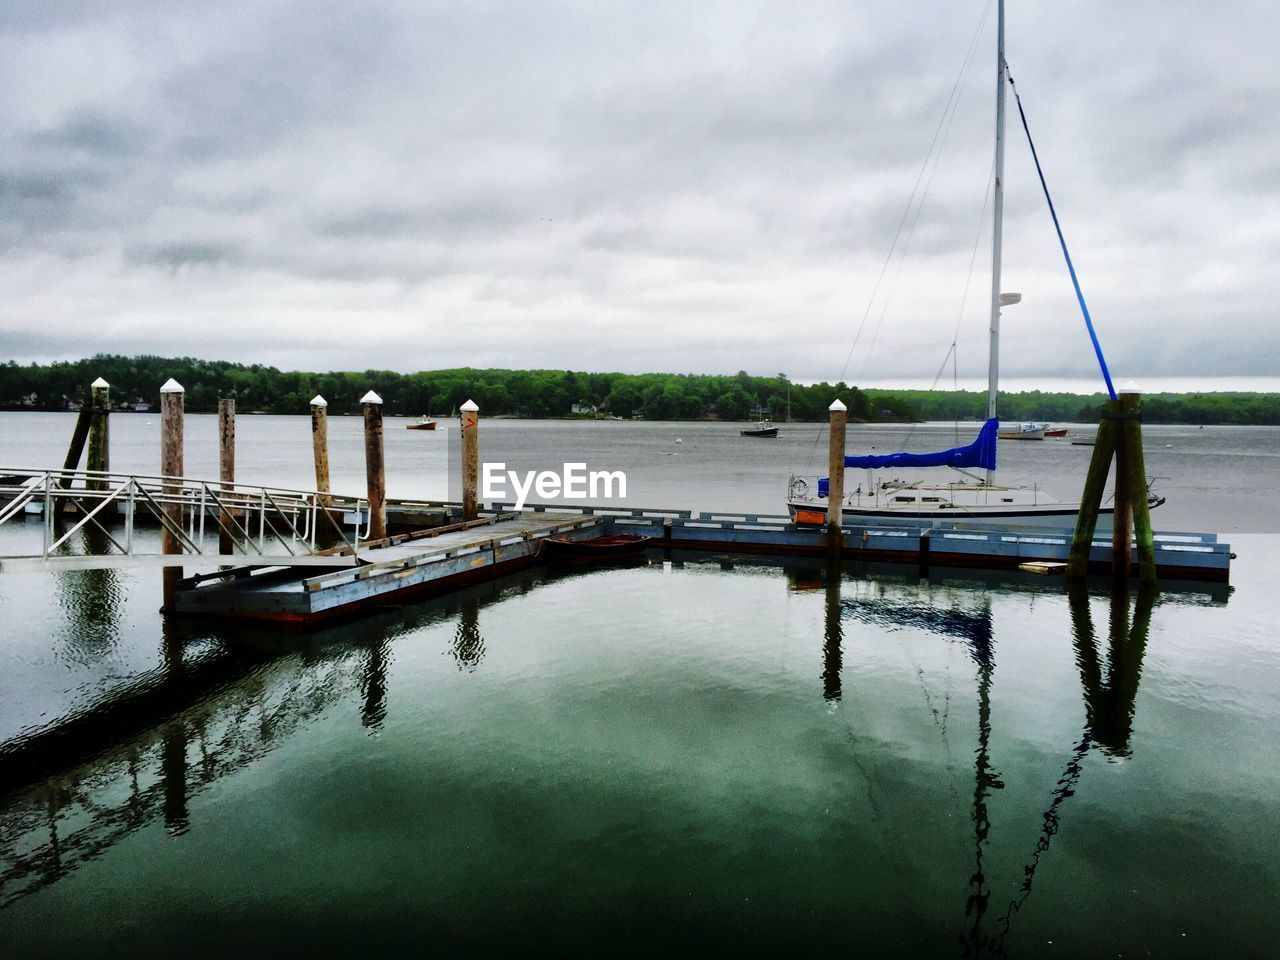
[422,423]
[764,428]
[1056,432]
[1025,431]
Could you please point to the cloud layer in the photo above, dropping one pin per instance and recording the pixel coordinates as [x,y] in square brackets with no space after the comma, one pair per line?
[633,186]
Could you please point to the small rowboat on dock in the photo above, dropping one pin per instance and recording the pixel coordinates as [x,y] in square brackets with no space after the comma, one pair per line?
[595,548]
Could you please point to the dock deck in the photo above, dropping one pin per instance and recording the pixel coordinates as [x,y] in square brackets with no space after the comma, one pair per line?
[432,561]
[443,558]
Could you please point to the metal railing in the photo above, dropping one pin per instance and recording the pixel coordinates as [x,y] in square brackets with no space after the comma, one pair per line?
[267,525]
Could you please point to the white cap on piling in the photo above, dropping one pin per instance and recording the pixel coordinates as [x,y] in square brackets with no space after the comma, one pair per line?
[319,401]
[469,407]
[99,384]
[837,405]
[371,397]
[1130,386]
[172,386]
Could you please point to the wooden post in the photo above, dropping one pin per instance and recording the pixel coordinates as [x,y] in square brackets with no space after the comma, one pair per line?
[320,444]
[99,442]
[1095,482]
[374,467]
[1138,493]
[226,467]
[835,474]
[469,419]
[171,422]
[1126,406]
[1119,438]
[78,437]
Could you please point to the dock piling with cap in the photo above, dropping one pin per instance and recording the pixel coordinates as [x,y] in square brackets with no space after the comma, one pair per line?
[172,402]
[835,475]
[374,465]
[99,434]
[226,465]
[320,444]
[470,424]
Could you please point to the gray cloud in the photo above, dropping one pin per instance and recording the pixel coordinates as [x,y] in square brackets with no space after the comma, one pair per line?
[627,186]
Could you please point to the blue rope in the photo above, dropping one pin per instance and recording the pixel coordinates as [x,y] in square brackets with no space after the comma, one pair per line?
[1084,308]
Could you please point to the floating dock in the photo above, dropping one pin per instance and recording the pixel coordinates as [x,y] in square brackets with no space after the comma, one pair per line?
[446,557]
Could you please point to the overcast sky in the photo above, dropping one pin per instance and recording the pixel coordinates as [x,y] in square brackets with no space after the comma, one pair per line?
[695,187]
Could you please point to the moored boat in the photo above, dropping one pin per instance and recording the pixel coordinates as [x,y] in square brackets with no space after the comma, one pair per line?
[595,549]
[422,423]
[1025,431]
[764,428]
[1056,432]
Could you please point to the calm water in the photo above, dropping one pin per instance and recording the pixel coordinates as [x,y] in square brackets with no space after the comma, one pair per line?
[689,753]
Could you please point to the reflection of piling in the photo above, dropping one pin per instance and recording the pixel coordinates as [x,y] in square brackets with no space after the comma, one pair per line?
[99,442]
[1119,438]
[320,443]
[171,422]
[1110,699]
[374,687]
[470,425]
[835,474]
[832,651]
[226,466]
[374,465]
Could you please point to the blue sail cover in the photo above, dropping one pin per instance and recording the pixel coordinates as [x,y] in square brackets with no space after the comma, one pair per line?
[981,453]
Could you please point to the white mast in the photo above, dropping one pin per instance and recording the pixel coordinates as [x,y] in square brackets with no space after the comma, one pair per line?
[997,229]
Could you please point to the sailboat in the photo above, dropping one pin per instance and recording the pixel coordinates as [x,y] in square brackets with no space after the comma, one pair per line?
[973,497]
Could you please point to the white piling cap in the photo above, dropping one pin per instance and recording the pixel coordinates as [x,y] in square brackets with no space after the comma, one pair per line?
[837,405]
[469,407]
[99,384]
[319,401]
[172,386]
[371,397]
[1129,386]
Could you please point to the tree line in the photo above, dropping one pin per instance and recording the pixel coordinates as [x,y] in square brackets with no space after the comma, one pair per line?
[556,393]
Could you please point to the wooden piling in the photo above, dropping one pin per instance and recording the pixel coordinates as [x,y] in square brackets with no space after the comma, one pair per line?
[1139,507]
[374,465]
[76,449]
[835,474]
[1119,439]
[99,436]
[469,419]
[226,467]
[320,444]
[172,401]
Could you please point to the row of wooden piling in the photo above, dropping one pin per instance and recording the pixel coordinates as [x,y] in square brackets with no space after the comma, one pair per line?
[92,426]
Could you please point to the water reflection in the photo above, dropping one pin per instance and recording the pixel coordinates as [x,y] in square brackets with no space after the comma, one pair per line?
[832,654]
[74,790]
[92,600]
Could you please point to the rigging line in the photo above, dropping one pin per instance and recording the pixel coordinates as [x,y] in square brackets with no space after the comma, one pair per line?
[1075,282]
[948,117]
[953,351]
[968,57]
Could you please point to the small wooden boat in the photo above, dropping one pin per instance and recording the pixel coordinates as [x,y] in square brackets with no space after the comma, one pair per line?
[422,423]
[596,549]
[764,428]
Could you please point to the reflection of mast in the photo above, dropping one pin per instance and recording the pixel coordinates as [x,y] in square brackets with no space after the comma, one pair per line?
[986,779]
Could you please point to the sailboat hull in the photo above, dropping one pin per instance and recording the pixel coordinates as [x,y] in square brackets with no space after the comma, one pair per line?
[1049,516]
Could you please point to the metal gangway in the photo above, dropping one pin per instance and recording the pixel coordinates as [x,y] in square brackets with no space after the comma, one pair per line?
[90,520]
